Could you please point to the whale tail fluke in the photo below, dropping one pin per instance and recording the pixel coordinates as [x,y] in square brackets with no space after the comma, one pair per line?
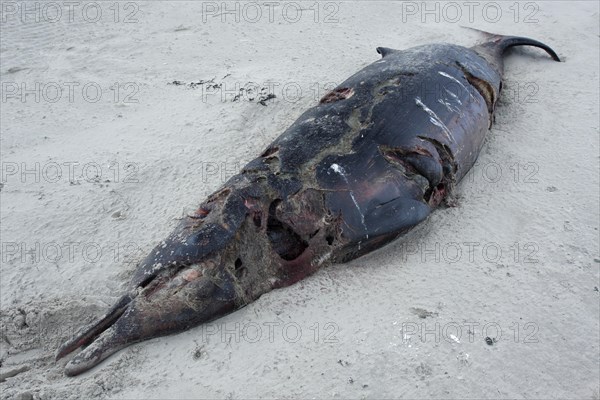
[494,46]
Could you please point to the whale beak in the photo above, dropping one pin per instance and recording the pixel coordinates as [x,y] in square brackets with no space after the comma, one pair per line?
[167,304]
[104,333]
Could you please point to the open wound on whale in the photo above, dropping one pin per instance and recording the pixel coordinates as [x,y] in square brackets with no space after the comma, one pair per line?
[407,161]
[285,241]
[337,94]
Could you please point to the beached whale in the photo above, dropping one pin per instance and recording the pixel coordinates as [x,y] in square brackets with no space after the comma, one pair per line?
[362,167]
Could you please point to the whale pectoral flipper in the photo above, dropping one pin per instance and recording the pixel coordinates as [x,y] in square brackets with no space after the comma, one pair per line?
[382,224]
[395,217]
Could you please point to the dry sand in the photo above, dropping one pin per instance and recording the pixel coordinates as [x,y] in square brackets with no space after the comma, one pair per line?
[89,187]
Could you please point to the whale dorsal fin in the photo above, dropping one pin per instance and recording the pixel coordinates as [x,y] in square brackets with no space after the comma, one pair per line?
[384,51]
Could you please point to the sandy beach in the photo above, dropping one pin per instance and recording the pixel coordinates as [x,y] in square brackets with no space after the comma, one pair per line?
[117,118]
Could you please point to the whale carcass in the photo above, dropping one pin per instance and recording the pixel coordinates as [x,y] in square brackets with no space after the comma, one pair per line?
[366,164]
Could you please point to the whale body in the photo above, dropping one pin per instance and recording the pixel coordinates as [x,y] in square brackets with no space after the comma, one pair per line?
[365,165]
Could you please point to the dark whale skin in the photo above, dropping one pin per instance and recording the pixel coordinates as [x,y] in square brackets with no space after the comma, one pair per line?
[368,163]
